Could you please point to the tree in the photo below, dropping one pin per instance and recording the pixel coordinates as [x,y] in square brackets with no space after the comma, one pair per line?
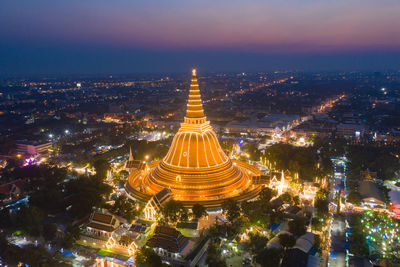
[32,256]
[297,227]
[124,173]
[257,242]
[267,194]
[255,211]
[199,211]
[286,197]
[316,223]
[124,207]
[231,209]
[322,206]
[287,240]
[296,200]
[252,150]
[29,219]
[317,243]
[72,234]
[86,193]
[214,257]
[49,231]
[48,198]
[338,200]
[269,257]
[228,145]
[147,257]
[174,211]
[3,242]
[299,160]
[354,198]
[101,166]
[3,196]
[322,194]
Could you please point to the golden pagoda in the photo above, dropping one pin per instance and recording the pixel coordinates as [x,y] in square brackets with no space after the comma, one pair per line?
[195,169]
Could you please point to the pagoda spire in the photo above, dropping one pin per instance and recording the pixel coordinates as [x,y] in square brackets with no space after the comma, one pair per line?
[130,154]
[194,112]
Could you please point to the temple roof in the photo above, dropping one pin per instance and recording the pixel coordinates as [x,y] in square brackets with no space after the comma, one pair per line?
[167,238]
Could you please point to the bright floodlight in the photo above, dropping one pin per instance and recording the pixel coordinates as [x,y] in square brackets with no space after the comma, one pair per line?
[67,131]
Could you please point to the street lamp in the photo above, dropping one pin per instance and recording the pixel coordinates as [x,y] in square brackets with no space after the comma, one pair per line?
[146,157]
[66,131]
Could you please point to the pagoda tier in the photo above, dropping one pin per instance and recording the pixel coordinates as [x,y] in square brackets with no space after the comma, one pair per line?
[196,169]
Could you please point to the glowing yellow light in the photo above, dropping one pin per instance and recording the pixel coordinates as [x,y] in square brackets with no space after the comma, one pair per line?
[195,166]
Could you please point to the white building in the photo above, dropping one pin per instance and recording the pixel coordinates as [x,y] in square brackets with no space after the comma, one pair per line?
[153,207]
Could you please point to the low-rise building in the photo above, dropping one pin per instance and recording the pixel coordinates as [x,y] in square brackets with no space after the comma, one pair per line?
[102,224]
[12,190]
[153,207]
[123,242]
[132,164]
[371,194]
[395,200]
[170,244]
[305,242]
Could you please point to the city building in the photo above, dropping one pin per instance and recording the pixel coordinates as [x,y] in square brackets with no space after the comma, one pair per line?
[195,169]
[33,148]
[350,130]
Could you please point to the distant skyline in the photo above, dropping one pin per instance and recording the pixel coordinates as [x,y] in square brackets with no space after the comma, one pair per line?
[121,36]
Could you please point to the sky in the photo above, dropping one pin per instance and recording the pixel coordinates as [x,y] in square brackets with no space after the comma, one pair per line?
[141,36]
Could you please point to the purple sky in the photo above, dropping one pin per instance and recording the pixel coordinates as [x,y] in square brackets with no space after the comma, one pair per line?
[289,27]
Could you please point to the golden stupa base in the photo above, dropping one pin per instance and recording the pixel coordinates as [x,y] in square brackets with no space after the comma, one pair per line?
[141,191]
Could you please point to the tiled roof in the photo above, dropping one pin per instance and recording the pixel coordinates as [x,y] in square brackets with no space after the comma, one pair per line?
[167,238]
[5,188]
[99,226]
[160,195]
[137,228]
[369,189]
[103,218]
[135,164]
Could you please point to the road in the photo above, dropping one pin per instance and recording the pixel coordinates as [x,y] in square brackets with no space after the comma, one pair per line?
[337,256]
[338,242]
